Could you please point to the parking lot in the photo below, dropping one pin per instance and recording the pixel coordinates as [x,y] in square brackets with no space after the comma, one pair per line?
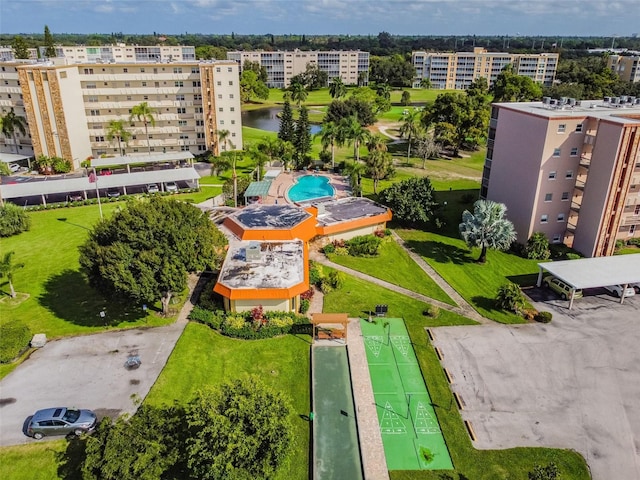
[573,383]
[84,372]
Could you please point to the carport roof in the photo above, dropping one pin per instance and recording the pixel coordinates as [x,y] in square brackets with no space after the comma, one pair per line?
[133,159]
[12,157]
[596,272]
[49,186]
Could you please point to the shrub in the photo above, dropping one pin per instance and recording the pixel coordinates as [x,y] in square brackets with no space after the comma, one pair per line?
[14,339]
[257,315]
[60,165]
[468,198]
[510,297]
[337,279]
[13,220]
[432,311]
[235,321]
[387,232]
[207,317]
[304,305]
[543,317]
[364,246]
[329,248]
[634,241]
[280,321]
[315,273]
[341,251]
[529,314]
[307,294]
[325,286]
[537,247]
[573,256]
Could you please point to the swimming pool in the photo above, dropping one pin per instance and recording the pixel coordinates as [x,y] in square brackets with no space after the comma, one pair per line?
[310,187]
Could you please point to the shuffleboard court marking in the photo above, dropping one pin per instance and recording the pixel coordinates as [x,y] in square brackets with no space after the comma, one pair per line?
[402,344]
[425,423]
[391,423]
[374,343]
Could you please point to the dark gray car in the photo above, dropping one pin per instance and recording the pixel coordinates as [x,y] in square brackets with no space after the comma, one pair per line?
[61,421]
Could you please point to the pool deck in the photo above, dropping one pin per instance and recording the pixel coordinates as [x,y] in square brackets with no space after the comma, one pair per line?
[282,182]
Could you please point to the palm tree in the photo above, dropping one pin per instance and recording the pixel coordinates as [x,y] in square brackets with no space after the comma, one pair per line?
[223,138]
[425,83]
[355,170]
[10,123]
[116,129]
[486,227]
[298,93]
[218,163]
[145,114]
[379,166]
[337,88]
[331,135]
[377,143]
[355,133]
[8,268]
[410,127]
[259,156]
[384,90]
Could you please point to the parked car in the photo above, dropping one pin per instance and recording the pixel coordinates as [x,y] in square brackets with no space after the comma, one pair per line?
[76,197]
[636,287]
[171,187]
[113,193]
[106,171]
[152,188]
[560,287]
[617,290]
[61,421]
[14,167]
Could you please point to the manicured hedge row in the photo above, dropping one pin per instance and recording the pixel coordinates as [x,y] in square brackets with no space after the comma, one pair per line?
[14,339]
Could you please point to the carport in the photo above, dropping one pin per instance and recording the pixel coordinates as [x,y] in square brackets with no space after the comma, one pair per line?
[594,272]
[12,157]
[128,160]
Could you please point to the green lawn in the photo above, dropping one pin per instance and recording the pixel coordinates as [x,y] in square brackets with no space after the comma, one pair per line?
[356,298]
[405,272]
[477,283]
[34,461]
[211,358]
[60,301]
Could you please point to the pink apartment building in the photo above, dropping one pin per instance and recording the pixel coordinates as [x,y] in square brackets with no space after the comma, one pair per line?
[568,169]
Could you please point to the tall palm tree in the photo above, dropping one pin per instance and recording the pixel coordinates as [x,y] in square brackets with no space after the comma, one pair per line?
[298,93]
[145,114]
[410,127]
[486,227]
[377,143]
[379,166]
[271,147]
[355,133]
[117,130]
[218,163]
[10,123]
[8,268]
[223,138]
[337,88]
[384,90]
[331,135]
[355,170]
[259,157]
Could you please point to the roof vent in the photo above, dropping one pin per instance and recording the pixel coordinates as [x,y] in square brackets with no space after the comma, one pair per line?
[252,252]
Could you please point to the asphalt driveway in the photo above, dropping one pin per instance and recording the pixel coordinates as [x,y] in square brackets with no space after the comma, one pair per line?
[84,372]
[573,383]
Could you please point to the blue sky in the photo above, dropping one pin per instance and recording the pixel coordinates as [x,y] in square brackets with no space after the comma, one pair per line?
[359,17]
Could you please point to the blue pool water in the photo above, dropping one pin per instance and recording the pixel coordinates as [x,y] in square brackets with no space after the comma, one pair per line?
[310,187]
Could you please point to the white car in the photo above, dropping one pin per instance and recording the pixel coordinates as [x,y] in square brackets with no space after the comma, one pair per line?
[14,167]
[636,287]
[617,290]
[152,188]
[171,187]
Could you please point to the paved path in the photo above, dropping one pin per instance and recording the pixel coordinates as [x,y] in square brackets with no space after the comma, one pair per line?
[374,463]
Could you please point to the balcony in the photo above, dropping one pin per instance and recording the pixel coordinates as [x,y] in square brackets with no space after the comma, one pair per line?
[571,226]
[575,206]
[585,160]
[580,183]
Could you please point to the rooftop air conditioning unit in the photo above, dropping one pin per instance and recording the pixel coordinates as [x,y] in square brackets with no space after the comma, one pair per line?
[252,252]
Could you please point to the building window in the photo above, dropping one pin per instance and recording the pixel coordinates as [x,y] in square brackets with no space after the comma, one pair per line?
[94,113]
[636,211]
[574,152]
[231,95]
[142,70]
[180,98]
[219,83]
[233,109]
[218,69]
[229,69]
[562,127]
[182,123]
[560,217]
[579,127]
[552,175]
[221,122]
[556,152]
[556,238]
[127,84]
[88,71]
[220,96]
[569,174]
[565,196]
[182,110]
[544,218]
[220,109]
[177,69]
[63,74]
[99,138]
[233,122]
[632,229]
[233,134]
[125,70]
[230,83]
[548,197]
[179,83]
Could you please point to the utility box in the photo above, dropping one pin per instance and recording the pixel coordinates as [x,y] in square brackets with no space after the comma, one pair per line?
[252,252]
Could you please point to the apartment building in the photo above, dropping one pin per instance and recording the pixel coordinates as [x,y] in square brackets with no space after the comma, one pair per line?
[568,169]
[456,71]
[69,106]
[626,67]
[351,66]
[117,53]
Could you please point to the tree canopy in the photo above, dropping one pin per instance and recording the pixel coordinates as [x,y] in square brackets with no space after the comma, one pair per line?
[486,227]
[145,251]
[13,220]
[251,86]
[510,87]
[394,70]
[412,201]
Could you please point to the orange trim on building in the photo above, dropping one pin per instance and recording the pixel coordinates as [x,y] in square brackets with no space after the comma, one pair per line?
[261,293]
[353,224]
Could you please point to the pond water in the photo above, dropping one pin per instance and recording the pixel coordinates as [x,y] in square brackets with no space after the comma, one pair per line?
[267,119]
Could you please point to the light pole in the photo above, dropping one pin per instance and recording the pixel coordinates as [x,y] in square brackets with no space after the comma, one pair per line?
[93,178]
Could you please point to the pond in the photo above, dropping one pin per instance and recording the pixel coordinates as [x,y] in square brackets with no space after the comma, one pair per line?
[267,119]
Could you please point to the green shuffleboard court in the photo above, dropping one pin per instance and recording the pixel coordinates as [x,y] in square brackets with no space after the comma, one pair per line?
[335,433]
[410,431]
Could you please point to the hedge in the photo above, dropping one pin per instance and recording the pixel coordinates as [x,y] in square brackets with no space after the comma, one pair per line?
[14,339]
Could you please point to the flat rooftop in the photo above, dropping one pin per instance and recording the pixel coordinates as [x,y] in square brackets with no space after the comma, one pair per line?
[270,216]
[277,265]
[345,209]
[597,271]
[626,112]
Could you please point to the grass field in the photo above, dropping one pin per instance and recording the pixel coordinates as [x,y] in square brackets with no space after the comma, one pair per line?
[211,358]
[35,461]
[405,272]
